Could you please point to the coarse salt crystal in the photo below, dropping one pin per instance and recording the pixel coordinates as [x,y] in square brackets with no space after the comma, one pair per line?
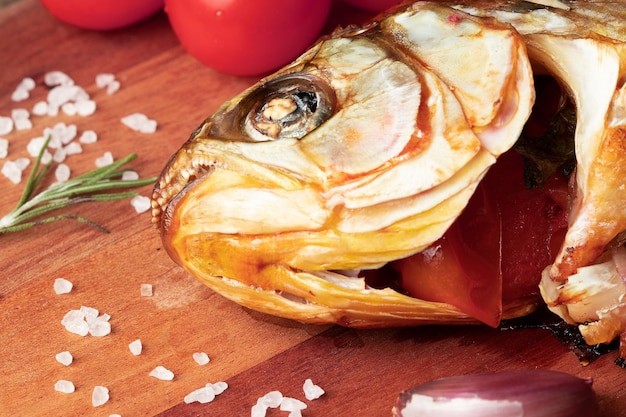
[135,347]
[35,145]
[98,326]
[201,358]
[140,203]
[115,415]
[69,109]
[73,148]
[99,396]
[13,171]
[64,358]
[23,124]
[62,286]
[6,125]
[104,79]
[293,405]
[130,175]
[27,83]
[104,160]
[88,136]
[59,155]
[64,386]
[40,108]
[89,311]
[17,114]
[62,94]
[207,393]
[53,78]
[272,399]
[312,391]
[4,147]
[74,322]
[140,122]
[145,290]
[62,173]
[85,107]
[202,395]
[20,94]
[113,87]
[162,373]
[53,110]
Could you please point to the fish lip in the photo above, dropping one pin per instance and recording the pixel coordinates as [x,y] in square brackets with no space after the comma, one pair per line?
[184,169]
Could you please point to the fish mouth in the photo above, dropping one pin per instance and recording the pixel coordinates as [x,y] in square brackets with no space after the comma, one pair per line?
[179,175]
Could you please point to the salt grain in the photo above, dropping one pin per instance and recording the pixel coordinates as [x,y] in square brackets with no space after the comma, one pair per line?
[114,415]
[293,405]
[87,321]
[13,169]
[88,136]
[62,286]
[104,160]
[99,396]
[113,87]
[21,119]
[85,107]
[312,391]
[145,290]
[202,395]
[69,109]
[162,373]
[140,122]
[74,322]
[53,78]
[40,108]
[4,148]
[140,203]
[201,358]
[104,79]
[206,394]
[72,148]
[135,347]
[22,91]
[64,386]
[130,175]
[62,173]
[6,125]
[35,145]
[64,358]
[270,400]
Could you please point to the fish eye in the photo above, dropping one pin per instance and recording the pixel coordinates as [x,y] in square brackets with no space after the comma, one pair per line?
[290,106]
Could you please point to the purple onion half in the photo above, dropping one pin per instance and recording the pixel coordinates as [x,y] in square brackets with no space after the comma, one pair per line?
[530,393]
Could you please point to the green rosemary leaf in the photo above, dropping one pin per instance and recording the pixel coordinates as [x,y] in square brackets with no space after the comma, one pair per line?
[98,185]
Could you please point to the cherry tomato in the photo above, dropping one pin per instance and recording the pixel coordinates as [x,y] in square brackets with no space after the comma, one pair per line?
[373,5]
[246,37]
[102,14]
[496,250]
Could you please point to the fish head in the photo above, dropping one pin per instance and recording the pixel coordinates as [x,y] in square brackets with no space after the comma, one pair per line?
[356,154]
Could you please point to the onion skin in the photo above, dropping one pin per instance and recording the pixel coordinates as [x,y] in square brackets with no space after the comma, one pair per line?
[530,393]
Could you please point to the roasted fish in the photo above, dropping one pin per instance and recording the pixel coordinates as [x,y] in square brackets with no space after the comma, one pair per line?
[302,195]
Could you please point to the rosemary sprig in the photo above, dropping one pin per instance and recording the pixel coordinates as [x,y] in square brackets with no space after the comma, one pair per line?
[98,185]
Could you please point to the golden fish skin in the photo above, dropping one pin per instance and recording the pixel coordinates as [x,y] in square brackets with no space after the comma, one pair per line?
[367,147]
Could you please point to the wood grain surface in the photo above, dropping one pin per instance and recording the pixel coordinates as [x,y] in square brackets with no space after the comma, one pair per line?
[361,371]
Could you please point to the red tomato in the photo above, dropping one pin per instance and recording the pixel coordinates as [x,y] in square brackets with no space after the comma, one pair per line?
[102,14]
[246,37]
[496,249]
[373,5]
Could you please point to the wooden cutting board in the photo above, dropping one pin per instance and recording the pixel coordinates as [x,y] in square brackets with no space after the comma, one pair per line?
[361,371]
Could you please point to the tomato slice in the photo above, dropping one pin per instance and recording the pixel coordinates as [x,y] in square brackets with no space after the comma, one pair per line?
[495,251]
[463,267]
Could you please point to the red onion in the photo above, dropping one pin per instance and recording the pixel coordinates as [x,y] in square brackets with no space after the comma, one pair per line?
[532,393]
